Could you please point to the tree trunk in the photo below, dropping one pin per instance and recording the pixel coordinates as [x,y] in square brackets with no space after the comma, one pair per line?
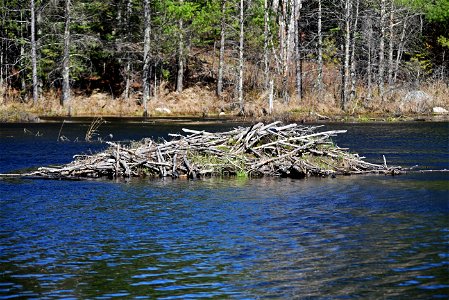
[126,91]
[222,49]
[38,34]
[297,39]
[284,45]
[346,62]
[240,75]
[66,59]
[146,56]
[3,59]
[391,44]
[180,77]
[265,44]
[320,50]
[22,55]
[353,62]
[382,48]
[270,97]
[2,50]
[443,66]
[22,65]
[400,50]
[33,51]
[369,68]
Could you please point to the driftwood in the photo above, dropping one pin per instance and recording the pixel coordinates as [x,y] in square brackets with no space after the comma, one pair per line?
[260,150]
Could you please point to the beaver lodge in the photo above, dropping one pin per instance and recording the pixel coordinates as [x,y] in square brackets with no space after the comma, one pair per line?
[260,150]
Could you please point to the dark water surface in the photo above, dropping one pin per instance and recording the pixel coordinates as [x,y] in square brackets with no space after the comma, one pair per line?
[350,237]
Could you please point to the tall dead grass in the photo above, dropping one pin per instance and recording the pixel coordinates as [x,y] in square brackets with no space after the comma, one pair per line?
[199,99]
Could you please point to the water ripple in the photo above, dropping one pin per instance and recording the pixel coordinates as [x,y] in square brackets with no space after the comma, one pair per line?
[349,237]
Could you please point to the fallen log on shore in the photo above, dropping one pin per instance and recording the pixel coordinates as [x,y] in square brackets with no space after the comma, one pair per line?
[260,150]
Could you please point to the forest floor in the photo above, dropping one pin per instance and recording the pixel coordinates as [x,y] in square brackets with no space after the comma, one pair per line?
[200,101]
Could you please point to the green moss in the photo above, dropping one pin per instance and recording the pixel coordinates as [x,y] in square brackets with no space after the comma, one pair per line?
[363,119]
[298,110]
[392,119]
[242,174]
[222,148]
[220,165]
[232,142]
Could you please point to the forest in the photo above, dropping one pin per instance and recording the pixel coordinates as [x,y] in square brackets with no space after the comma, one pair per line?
[257,57]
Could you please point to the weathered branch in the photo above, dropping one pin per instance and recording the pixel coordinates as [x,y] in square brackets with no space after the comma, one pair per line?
[259,150]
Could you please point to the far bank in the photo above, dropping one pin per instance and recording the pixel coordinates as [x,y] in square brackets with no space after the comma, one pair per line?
[430,103]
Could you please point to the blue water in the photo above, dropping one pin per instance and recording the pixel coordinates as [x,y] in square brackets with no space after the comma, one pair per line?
[348,237]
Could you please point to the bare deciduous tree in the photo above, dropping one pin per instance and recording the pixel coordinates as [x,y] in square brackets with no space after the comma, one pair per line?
[66,58]
[180,77]
[33,51]
[353,50]
[146,56]
[241,61]
[346,53]
[222,48]
[380,81]
[320,49]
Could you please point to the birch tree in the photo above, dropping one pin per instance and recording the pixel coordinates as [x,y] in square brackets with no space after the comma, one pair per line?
[284,40]
[2,47]
[400,48]
[383,6]
[33,51]
[266,20]
[353,50]
[222,48]
[146,55]
[320,49]
[127,69]
[241,61]
[180,76]
[346,54]
[390,43]
[369,65]
[297,40]
[66,58]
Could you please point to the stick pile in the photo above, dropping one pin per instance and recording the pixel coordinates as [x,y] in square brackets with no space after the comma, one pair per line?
[260,150]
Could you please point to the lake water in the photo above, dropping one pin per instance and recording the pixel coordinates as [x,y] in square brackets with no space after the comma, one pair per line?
[348,237]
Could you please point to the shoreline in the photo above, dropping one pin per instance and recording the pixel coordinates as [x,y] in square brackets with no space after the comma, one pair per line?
[192,119]
[200,104]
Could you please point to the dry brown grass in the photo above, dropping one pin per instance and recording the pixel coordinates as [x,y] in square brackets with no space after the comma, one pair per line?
[200,100]
[393,102]
[99,104]
[194,100]
[315,105]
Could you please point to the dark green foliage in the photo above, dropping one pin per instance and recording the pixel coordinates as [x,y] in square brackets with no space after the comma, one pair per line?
[436,30]
[107,37]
